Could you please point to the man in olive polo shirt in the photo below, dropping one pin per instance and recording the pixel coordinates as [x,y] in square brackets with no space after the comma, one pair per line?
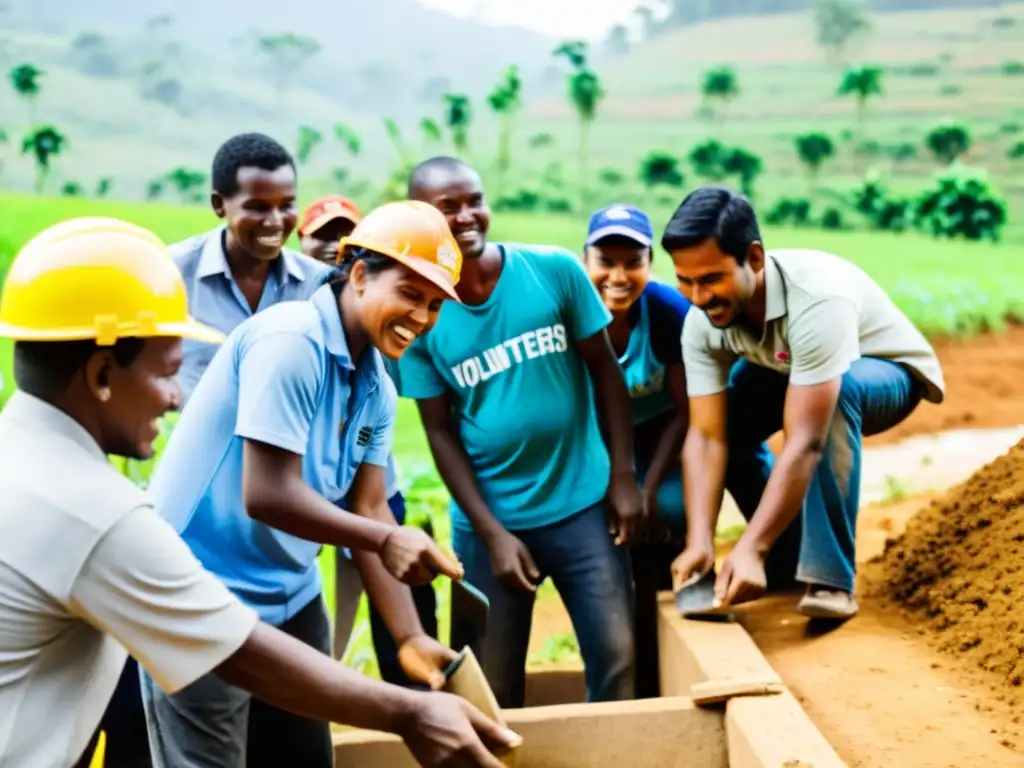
[798,340]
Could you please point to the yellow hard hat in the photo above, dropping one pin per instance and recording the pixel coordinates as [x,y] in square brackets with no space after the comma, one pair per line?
[96,278]
[415,234]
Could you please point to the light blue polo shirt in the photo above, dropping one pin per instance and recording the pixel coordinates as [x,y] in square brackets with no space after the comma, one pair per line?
[521,393]
[215,299]
[283,377]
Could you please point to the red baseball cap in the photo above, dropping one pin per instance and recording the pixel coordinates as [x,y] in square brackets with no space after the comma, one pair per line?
[327,209]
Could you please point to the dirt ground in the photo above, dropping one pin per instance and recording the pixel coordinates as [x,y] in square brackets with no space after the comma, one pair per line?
[876,687]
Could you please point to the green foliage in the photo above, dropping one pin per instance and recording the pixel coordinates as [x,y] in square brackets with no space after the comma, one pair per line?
[309,139]
[814,149]
[505,100]
[719,85]
[948,141]
[1012,68]
[188,183]
[348,138]
[708,159]
[861,83]
[25,80]
[1016,152]
[72,189]
[961,203]
[789,211]
[879,207]
[457,116]
[611,177]
[659,168]
[43,144]
[745,165]
[832,218]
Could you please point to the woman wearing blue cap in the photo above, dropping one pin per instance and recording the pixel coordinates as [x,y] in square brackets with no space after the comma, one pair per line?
[646,328]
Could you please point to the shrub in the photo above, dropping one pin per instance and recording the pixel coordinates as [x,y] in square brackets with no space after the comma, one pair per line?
[832,218]
[790,210]
[523,200]
[879,207]
[961,203]
[660,168]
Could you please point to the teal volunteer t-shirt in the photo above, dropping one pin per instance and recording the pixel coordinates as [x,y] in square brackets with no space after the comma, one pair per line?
[522,395]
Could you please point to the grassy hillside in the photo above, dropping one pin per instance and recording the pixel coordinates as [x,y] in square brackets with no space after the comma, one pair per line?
[937,64]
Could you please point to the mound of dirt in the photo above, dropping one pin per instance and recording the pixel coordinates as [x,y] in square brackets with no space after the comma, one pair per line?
[958,568]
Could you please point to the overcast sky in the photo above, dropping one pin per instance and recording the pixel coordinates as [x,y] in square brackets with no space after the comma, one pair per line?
[560,18]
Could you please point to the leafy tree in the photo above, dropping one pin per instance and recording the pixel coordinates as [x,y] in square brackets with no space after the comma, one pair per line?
[961,203]
[708,158]
[72,189]
[187,182]
[25,80]
[720,86]
[103,186]
[309,139]
[286,53]
[879,206]
[611,177]
[948,141]
[430,131]
[814,149]
[746,165]
[348,138]
[457,117]
[1016,152]
[585,94]
[505,100]
[861,83]
[43,144]
[659,168]
[839,23]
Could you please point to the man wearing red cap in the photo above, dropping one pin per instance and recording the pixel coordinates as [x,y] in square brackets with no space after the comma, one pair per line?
[324,223]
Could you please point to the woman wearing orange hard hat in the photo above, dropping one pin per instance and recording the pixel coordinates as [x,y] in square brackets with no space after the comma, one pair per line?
[294,412]
[88,570]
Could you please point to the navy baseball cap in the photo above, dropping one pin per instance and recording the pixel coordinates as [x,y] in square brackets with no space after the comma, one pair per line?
[624,220]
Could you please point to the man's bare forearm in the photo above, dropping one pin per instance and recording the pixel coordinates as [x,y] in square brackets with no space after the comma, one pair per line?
[290,675]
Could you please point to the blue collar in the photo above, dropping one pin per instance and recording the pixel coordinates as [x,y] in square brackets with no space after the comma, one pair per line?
[213,261]
[334,338]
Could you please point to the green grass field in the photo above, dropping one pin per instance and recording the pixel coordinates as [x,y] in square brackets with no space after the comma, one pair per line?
[947,288]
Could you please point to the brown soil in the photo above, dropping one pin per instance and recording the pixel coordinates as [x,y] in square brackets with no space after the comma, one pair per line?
[958,569]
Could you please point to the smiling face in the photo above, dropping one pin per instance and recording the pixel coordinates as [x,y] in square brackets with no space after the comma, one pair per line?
[716,282]
[459,194]
[322,244]
[132,398]
[395,306]
[261,214]
[620,269]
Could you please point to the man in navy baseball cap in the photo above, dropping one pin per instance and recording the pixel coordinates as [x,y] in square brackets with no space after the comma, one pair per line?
[626,221]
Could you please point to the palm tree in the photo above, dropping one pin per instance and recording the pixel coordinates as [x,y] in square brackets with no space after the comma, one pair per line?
[862,83]
[720,85]
[25,79]
[44,144]
[585,94]
[505,100]
[457,117]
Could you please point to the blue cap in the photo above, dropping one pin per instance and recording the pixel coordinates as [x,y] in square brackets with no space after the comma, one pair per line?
[624,220]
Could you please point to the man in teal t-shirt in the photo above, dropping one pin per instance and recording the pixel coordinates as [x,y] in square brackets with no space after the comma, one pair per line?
[510,386]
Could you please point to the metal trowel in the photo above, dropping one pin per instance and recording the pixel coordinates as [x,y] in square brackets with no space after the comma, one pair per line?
[696,599]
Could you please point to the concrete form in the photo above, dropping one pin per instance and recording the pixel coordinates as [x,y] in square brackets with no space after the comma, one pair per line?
[747,731]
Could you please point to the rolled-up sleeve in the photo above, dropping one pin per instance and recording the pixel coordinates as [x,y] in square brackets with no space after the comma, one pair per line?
[144,587]
[707,368]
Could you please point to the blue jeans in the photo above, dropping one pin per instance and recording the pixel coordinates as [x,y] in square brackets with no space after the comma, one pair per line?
[819,546]
[592,576]
[211,724]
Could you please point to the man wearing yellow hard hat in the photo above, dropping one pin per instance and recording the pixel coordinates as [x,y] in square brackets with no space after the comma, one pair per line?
[89,571]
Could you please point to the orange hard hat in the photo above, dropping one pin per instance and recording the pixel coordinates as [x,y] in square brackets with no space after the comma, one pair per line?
[415,234]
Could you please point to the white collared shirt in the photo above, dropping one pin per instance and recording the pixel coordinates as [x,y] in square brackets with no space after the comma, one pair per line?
[89,571]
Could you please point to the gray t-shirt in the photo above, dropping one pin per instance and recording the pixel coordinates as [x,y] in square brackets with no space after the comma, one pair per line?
[88,573]
[822,313]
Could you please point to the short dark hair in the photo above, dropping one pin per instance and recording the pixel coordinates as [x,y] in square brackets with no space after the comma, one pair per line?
[375,263]
[717,212]
[45,368]
[441,163]
[246,150]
